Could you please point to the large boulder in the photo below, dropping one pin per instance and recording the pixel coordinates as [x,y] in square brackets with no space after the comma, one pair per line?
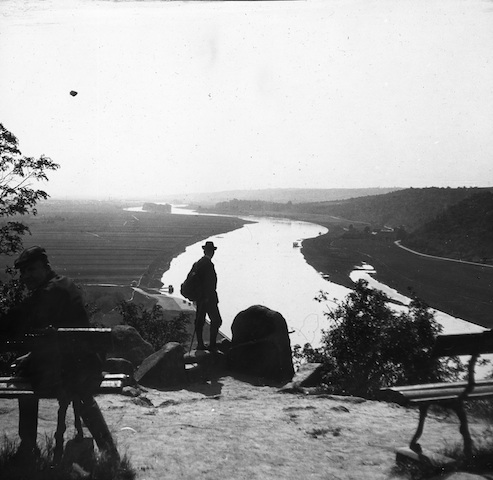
[260,345]
[164,368]
[128,344]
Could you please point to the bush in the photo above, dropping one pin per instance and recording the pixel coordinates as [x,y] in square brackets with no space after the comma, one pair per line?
[152,326]
[369,345]
[12,293]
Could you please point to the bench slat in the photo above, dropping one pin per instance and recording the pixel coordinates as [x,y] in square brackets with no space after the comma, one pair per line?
[464,344]
[14,387]
[98,337]
[436,392]
[16,393]
[452,394]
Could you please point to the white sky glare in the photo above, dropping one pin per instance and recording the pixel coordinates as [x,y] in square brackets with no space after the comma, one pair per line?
[177,97]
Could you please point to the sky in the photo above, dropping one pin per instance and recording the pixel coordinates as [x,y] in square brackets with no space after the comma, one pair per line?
[184,97]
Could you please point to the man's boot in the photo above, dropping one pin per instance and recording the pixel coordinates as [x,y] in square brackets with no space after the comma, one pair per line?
[95,422]
[28,451]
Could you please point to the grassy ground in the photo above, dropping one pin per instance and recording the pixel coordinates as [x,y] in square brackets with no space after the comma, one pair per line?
[239,430]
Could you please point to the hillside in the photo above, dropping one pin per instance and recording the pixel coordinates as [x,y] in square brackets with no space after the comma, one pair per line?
[463,231]
[410,208]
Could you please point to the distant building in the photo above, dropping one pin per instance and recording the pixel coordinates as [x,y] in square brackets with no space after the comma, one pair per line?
[157,207]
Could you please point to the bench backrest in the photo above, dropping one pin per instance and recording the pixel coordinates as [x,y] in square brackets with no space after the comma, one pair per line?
[99,339]
[464,344]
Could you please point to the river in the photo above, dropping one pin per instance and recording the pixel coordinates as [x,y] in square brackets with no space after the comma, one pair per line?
[259,264]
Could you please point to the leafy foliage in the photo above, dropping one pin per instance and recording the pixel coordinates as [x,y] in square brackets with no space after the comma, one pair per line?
[152,326]
[370,345]
[17,195]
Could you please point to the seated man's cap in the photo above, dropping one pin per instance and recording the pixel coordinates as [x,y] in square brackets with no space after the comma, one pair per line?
[209,246]
[30,255]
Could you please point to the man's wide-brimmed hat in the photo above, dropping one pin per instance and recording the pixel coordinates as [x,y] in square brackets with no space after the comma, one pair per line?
[209,246]
[30,255]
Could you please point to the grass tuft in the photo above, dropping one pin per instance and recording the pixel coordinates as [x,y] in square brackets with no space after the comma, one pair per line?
[42,468]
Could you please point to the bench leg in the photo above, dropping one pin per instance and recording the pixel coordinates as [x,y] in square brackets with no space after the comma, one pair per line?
[78,423]
[464,429]
[414,445]
[28,421]
[60,429]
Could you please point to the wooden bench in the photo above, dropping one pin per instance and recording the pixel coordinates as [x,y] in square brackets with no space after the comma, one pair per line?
[448,394]
[65,340]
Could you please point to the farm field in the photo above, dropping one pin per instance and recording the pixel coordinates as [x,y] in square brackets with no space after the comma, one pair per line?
[459,289]
[100,242]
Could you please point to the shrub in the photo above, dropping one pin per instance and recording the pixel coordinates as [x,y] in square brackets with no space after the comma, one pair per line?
[370,345]
[12,293]
[152,326]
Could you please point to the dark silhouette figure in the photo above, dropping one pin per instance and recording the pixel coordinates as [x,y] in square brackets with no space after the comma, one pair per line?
[207,300]
[54,301]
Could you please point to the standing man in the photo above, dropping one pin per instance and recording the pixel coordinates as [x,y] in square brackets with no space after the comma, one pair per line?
[207,301]
[54,301]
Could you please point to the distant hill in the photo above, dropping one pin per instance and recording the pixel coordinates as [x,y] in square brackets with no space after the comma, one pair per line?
[463,231]
[281,195]
[408,208]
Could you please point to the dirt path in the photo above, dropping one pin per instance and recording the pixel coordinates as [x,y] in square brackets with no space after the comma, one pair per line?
[229,429]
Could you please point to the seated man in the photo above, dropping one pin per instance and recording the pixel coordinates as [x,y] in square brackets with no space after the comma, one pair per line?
[54,301]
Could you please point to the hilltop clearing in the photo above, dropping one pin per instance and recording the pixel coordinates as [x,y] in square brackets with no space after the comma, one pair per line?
[232,429]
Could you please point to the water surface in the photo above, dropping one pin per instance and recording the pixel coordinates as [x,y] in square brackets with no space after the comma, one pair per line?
[258,264]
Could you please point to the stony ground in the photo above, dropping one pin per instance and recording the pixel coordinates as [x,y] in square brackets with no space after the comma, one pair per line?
[232,429]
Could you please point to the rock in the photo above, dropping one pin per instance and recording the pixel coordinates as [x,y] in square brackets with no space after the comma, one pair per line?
[118,365]
[429,463]
[128,344]
[131,391]
[308,375]
[78,472]
[142,402]
[260,345]
[79,452]
[165,368]
[224,345]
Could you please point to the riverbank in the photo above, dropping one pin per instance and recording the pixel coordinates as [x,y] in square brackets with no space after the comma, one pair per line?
[460,290]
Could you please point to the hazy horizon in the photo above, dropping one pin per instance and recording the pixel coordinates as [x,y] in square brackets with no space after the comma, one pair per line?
[196,97]
[276,195]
